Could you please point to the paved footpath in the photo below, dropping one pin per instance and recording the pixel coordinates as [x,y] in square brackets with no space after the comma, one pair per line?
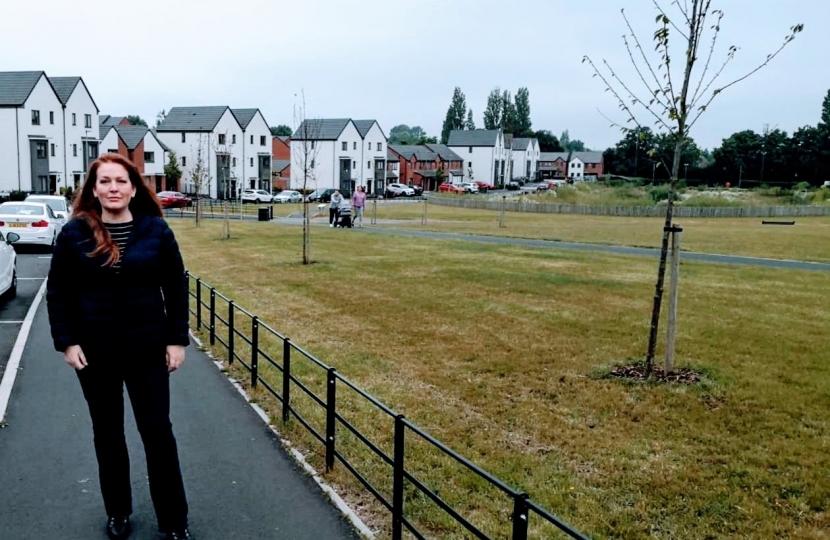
[240,481]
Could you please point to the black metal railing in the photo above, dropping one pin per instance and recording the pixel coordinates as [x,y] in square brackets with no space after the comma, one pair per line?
[252,332]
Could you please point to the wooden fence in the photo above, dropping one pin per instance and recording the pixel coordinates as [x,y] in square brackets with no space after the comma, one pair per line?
[633,211]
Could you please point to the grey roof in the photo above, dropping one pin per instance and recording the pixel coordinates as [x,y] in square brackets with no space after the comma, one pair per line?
[363,126]
[391,174]
[321,129]
[244,116]
[15,87]
[553,156]
[421,152]
[588,157]
[508,140]
[280,164]
[390,156]
[445,152]
[163,146]
[473,137]
[520,144]
[102,131]
[131,135]
[107,120]
[284,138]
[64,86]
[192,118]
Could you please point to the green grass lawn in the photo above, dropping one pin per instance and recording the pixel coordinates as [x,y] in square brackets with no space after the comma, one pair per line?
[498,352]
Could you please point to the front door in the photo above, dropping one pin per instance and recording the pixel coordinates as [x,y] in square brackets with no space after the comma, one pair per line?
[346,177]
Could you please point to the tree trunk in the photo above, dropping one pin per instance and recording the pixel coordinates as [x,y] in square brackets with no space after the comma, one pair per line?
[306,233]
[664,249]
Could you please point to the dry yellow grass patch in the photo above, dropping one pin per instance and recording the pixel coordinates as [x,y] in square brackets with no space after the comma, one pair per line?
[498,351]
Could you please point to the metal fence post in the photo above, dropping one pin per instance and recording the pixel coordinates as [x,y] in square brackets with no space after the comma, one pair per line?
[212,316]
[230,332]
[286,379]
[397,479]
[520,516]
[198,304]
[331,407]
[374,212]
[254,351]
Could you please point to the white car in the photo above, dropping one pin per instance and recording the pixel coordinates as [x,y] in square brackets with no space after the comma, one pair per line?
[469,187]
[256,196]
[8,266]
[57,203]
[288,196]
[35,223]
[397,190]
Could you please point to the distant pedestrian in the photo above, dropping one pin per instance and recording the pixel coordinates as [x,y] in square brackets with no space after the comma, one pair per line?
[358,203]
[117,298]
[334,207]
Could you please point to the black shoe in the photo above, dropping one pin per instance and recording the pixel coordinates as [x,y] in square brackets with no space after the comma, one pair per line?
[183,534]
[118,527]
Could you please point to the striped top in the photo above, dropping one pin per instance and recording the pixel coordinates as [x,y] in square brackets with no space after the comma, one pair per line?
[120,233]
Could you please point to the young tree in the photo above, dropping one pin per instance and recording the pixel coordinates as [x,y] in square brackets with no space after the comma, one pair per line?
[136,120]
[492,113]
[547,141]
[523,123]
[674,98]
[455,115]
[172,171]
[470,124]
[303,156]
[199,174]
[281,131]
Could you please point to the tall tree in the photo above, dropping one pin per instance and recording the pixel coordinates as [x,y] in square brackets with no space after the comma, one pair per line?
[172,171]
[470,123]
[547,141]
[523,123]
[281,130]
[456,115]
[571,145]
[492,113]
[136,120]
[162,114]
[399,134]
[509,115]
[674,100]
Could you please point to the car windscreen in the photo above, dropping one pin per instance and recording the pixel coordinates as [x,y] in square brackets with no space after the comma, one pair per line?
[21,210]
[56,205]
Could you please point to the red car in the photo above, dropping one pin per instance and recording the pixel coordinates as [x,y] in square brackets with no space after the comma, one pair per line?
[483,187]
[450,188]
[173,199]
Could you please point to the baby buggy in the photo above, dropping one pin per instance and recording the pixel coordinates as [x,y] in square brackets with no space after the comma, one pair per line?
[344,218]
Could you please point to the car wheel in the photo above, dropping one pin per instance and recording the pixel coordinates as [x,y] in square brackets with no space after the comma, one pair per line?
[12,291]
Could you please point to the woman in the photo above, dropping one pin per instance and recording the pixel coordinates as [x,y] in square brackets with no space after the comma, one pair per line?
[334,207]
[118,308]
[358,202]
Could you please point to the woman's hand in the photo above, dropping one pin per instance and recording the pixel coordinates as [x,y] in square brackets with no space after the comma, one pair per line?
[74,356]
[175,357]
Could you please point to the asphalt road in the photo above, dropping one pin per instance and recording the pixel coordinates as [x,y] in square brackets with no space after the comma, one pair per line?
[241,483]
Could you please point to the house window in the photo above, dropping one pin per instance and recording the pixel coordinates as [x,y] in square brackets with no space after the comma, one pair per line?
[233,161]
[233,138]
[252,139]
[470,150]
[40,150]
[262,140]
[88,120]
[35,117]
[222,138]
[312,147]
[149,157]
[184,158]
[114,151]
[380,147]
[74,120]
[344,146]
[354,145]
[368,164]
[53,150]
[252,162]
[354,164]
[184,137]
[312,161]
[470,164]
[51,117]
[75,150]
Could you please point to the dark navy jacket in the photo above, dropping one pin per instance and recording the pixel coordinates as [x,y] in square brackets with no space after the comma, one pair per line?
[144,306]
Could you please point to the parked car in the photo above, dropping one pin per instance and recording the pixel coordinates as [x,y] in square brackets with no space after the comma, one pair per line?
[513,186]
[322,195]
[173,199]
[256,196]
[469,187]
[288,196]
[553,184]
[419,190]
[399,190]
[34,223]
[450,188]
[8,266]
[57,203]
[484,187]
[540,187]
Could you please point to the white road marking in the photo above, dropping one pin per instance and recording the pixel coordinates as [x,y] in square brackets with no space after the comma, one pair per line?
[11,322]
[17,352]
[30,278]
[49,257]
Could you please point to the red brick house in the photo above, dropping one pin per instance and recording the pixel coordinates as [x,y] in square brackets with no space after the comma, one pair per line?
[281,147]
[141,146]
[418,164]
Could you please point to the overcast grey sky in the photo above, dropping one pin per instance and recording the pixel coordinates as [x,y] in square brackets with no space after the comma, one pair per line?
[398,61]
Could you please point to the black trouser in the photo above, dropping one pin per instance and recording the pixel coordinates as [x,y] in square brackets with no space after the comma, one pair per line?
[147,382]
[333,215]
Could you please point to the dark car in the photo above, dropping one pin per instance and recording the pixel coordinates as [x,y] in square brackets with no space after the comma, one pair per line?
[513,185]
[173,199]
[320,195]
[419,190]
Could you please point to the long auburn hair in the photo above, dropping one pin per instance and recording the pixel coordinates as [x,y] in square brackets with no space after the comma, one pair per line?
[87,206]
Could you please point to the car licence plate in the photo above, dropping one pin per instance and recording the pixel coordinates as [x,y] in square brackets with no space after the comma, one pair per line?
[17,224]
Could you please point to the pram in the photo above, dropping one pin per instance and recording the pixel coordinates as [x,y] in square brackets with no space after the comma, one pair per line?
[344,218]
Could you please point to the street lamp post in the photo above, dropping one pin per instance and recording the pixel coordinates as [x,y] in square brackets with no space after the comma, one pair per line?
[653,170]
[685,172]
[763,156]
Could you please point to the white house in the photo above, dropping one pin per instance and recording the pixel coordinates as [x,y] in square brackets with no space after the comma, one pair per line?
[525,157]
[39,151]
[212,135]
[256,148]
[331,151]
[373,159]
[141,146]
[484,154]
